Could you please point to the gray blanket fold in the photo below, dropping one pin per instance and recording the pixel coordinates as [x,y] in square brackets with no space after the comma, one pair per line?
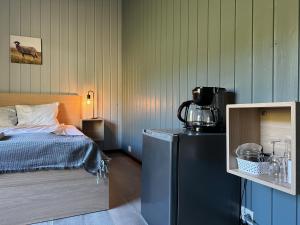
[29,152]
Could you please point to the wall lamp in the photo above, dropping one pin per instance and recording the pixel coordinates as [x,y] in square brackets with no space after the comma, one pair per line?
[89,100]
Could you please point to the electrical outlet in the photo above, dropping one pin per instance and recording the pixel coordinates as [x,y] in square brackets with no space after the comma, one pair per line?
[129,148]
[247,216]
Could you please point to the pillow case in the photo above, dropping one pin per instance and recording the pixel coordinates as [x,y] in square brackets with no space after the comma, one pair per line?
[8,116]
[45,114]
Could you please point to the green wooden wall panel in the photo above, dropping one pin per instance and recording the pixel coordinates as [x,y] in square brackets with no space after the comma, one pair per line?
[243,51]
[72,55]
[262,203]
[4,45]
[25,31]
[227,53]
[284,210]
[46,42]
[214,41]
[184,93]
[114,71]
[170,113]
[202,61]
[176,60]
[157,65]
[163,70]
[64,47]
[54,35]
[286,31]
[262,91]
[192,44]
[14,29]
[35,31]
[263,50]
[248,46]
[73,45]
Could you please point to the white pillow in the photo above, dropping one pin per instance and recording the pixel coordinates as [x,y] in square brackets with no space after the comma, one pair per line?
[8,116]
[37,114]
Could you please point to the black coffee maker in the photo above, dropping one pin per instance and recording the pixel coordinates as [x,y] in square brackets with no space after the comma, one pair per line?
[206,112]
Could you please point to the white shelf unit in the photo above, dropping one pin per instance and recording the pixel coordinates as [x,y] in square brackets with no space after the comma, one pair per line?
[259,123]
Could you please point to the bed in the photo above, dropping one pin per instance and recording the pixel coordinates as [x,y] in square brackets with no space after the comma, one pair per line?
[30,197]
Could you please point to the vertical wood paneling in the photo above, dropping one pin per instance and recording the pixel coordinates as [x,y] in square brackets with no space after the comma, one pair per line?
[262,92]
[73,45]
[192,45]
[157,83]
[120,79]
[114,68]
[55,45]
[90,41]
[73,51]
[99,54]
[262,203]
[152,62]
[25,31]
[285,88]
[163,70]
[235,48]
[4,45]
[89,78]
[202,62]
[184,35]
[214,43]
[176,60]
[106,66]
[170,114]
[286,50]
[64,46]
[46,46]
[262,50]
[284,208]
[227,44]
[15,29]
[243,51]
[35,30]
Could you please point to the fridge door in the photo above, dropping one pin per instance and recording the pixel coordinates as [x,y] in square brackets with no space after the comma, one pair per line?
[158,198]
[207,194]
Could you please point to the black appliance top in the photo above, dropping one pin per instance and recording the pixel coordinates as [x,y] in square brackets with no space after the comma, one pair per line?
[181,131]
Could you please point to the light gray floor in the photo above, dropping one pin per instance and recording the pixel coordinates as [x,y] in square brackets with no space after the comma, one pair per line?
[126,214]
[125,204]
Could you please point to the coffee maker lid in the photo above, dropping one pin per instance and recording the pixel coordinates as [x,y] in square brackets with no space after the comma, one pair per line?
[208,89]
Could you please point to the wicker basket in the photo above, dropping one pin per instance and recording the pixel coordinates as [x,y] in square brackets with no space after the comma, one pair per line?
[254,168]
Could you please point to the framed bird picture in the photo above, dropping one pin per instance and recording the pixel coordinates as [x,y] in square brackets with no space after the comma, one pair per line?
[26,50]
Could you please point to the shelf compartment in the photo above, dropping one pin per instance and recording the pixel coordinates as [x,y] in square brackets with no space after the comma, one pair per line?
[259,123]
[94,128]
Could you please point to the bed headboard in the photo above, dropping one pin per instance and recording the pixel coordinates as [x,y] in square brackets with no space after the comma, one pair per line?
[69,107]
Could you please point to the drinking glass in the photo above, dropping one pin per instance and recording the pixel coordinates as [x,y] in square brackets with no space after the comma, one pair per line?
[274,162]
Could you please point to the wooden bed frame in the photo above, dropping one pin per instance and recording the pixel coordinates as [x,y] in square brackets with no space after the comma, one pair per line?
[32,197]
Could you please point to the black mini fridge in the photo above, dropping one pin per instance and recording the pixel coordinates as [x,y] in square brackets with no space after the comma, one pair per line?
[184,179]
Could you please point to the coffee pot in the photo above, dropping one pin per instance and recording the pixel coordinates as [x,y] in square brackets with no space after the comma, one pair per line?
[206,111]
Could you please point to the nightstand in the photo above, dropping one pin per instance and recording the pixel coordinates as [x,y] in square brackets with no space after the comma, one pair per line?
[94,129]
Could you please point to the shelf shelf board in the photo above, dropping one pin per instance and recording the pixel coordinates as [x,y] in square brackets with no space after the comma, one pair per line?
[264,179]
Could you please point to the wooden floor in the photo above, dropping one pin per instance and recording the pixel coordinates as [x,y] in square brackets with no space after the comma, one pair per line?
[125,175]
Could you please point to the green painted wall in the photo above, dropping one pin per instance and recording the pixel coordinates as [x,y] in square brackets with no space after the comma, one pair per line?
[81,44]
[248,46]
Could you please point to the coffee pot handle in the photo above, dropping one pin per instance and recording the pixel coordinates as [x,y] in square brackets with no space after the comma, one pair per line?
[213,115]
[181,107]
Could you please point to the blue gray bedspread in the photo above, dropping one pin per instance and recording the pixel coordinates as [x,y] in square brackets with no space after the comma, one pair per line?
[29,152]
